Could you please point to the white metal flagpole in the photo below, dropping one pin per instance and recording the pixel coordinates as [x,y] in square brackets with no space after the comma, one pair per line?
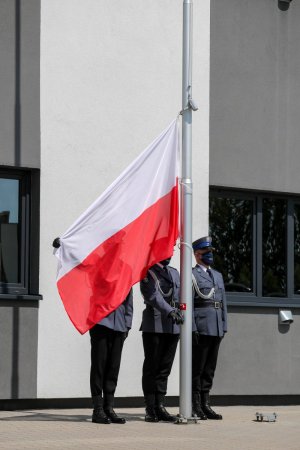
[186,219]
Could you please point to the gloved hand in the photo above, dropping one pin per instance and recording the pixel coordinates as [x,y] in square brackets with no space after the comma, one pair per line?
[56,243]
[195,338]
[176,316]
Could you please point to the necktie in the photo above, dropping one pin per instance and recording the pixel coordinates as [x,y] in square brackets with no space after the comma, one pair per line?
[210,274]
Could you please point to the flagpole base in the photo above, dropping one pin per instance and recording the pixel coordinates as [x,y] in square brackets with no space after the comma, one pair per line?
[181,420]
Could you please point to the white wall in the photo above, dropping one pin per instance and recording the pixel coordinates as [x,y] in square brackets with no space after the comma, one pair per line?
[110,83]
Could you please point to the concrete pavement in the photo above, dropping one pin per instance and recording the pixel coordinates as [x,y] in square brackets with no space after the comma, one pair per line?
[73,429]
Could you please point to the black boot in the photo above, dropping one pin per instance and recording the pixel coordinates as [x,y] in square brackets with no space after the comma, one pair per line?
[197,410]
[99,415]
[150,415]
[161,411]
[109,409]
[112,415]
[210,413]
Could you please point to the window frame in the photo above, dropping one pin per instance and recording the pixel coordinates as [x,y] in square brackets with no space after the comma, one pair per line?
[27,288]
[256,298]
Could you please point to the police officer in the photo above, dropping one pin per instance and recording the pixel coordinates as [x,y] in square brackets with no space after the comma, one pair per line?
[161,330]
[107,339]
[209,326]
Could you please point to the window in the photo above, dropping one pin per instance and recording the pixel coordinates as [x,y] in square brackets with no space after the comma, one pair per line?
[17,256]
[231,224]
[257,240]
[297,248]
[9,231]
[274,256]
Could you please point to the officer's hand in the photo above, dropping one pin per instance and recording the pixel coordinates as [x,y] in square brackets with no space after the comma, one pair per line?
[195,338]
[176,316]
[56,243]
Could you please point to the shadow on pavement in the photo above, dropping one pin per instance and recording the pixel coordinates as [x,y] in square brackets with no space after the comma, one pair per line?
[48,417]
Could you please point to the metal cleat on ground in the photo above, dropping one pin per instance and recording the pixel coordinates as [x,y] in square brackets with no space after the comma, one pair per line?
[262,417]
[180,420]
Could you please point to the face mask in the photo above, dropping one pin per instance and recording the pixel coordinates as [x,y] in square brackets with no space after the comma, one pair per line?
[165,262]
[208,258]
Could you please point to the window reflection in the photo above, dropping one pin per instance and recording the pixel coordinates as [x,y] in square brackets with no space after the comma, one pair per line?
[274,248]
[231,229]
[9,230]
[297,249]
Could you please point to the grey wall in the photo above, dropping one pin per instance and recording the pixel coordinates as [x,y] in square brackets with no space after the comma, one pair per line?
[255,95]
[19,83]
[258,356]
[255,144]
[19,147]
[18,349]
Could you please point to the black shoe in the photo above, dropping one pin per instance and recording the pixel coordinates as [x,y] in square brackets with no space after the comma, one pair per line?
[210,413]
[151,415]
[99,416]
[113,416]
[198,412]
[163,414]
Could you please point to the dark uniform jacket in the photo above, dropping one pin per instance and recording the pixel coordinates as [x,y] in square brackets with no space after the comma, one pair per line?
[121,318]
[207,319]
[155,315]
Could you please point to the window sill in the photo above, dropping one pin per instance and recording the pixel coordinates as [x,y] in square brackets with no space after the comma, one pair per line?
[251,300]
[20,297]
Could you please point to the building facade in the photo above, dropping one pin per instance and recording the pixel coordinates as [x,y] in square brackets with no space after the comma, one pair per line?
[86,86]
[254,190]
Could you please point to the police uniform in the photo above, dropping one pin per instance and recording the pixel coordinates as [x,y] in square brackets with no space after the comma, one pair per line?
[209,327]
[160,290]
[107,339]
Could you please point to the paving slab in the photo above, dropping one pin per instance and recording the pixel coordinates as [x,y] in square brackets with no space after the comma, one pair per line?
[73,429]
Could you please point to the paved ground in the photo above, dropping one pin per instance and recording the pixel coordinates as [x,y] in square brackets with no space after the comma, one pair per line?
[73,429]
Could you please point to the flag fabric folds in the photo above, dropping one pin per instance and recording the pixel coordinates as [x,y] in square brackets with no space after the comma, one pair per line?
[130,227]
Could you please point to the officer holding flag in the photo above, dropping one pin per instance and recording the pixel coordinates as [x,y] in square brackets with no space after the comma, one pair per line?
[161,329]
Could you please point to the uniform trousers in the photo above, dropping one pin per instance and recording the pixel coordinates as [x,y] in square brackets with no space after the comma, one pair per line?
[159,350]
[106,351]
[204,362]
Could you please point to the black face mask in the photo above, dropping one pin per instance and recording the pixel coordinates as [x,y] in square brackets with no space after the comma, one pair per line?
[165,262]
[208,258]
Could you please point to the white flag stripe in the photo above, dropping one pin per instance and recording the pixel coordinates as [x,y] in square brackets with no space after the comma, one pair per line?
[123,201]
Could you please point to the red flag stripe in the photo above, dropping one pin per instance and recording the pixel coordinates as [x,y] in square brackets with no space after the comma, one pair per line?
[99,284]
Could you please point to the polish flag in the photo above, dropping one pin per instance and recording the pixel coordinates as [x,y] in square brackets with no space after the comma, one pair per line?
[130,227]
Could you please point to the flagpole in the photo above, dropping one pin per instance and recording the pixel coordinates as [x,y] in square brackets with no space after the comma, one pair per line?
[185,407]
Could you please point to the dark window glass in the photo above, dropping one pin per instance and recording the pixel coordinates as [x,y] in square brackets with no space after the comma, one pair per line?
[257,240]
[231,229]
[274,258]
[9,231]
[297,249]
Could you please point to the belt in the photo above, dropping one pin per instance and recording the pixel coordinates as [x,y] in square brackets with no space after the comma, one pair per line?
[206,303]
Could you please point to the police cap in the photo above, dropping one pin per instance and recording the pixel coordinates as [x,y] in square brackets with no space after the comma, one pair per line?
[203,242]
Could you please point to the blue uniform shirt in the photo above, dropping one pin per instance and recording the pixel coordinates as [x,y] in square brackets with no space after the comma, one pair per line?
[158,307]
[121,318]
[207,320]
